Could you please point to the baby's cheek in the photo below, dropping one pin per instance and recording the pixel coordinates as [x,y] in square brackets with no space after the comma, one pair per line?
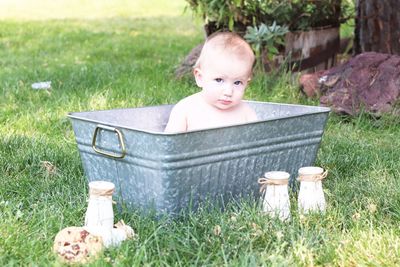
[215,92]
[239,94]
[210,95]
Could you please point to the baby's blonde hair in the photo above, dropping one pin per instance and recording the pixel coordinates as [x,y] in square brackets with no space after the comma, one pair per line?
[226,42]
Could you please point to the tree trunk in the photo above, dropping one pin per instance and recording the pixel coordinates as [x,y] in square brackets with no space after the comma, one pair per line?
[377,26]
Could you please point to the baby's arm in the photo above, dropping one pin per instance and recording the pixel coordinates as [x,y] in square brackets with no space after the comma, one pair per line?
[177,119]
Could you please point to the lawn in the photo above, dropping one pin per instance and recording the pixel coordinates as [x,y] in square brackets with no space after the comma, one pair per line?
[117,54]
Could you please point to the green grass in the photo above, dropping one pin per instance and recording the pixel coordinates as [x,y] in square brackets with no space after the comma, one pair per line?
[123,55]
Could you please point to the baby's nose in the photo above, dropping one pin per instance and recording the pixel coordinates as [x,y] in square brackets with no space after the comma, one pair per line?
[228,90]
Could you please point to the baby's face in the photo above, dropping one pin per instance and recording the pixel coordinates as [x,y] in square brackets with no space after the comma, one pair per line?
[223,79]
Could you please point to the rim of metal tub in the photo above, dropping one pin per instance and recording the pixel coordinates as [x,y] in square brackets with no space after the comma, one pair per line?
[319,109]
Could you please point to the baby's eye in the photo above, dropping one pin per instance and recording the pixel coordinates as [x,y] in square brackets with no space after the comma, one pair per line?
[218,80]
[238,83]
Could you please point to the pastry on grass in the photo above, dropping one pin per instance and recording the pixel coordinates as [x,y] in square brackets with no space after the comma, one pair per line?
[76,245]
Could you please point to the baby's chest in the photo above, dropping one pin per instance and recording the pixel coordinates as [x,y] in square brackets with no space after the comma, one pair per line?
[200,119]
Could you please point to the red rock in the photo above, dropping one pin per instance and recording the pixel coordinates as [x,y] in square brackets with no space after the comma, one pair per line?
[369,82]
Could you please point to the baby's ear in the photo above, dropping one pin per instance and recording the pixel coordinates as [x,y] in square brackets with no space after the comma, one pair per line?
[198,77]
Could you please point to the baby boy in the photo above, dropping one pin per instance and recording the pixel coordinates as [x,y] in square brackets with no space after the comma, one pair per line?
[223,71]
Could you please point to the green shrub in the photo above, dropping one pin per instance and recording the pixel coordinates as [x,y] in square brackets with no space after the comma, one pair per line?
[296,14]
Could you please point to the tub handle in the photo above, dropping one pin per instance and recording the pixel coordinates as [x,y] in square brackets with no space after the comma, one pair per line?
[120,140]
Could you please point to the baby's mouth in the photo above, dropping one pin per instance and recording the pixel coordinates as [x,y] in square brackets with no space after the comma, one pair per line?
[225,101]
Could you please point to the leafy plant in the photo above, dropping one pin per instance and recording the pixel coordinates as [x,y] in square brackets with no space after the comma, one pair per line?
[265,40]
[296,14]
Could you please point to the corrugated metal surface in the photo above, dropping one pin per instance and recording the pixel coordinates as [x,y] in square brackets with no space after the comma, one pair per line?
[170,172]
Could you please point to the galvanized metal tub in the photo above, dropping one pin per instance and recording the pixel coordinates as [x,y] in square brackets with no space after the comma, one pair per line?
[171,172]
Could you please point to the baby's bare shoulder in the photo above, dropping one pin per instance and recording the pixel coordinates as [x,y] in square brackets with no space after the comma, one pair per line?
[188,101]
[180,114]
[248,111]
[191,99]
[245,107]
